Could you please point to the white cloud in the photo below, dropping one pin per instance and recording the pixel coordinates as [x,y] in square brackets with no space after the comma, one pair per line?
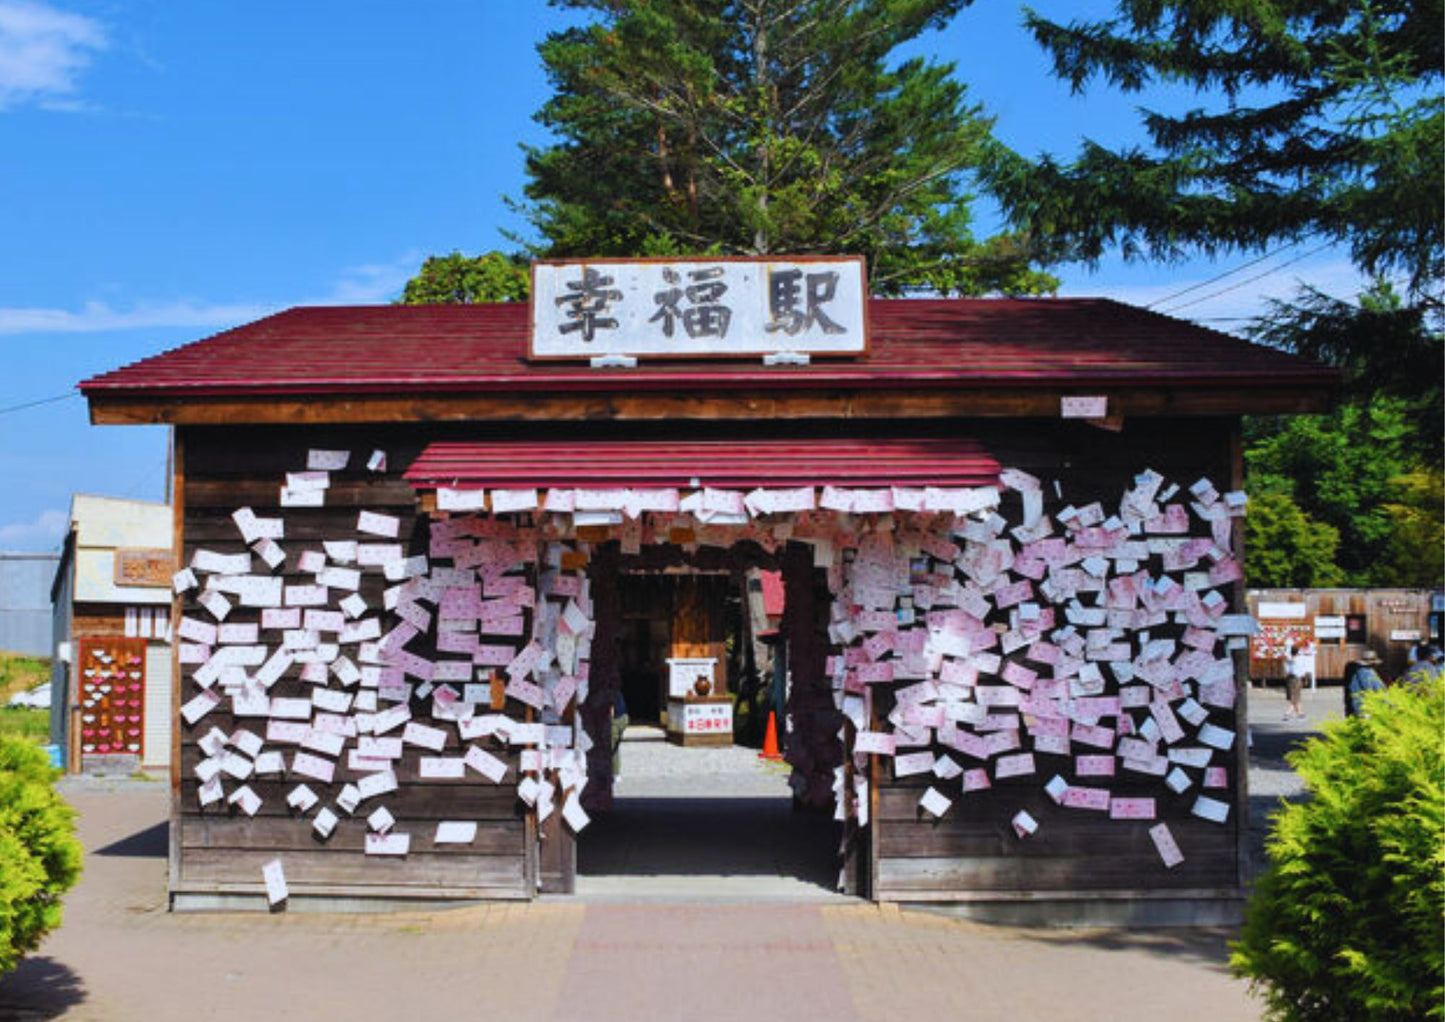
[44,533]
[372,283]
[366,284]
[43,51]
[94,317]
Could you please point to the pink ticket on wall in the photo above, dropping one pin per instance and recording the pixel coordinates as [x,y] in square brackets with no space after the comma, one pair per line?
[1131,809]
[1094,766]
[1168,849]
[1016,765]
[1087,798]
[875,743]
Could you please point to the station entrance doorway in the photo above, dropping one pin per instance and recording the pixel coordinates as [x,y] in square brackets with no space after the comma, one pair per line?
[697,644]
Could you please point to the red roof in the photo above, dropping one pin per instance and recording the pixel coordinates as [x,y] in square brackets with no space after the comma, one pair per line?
[955,462]
[943,343]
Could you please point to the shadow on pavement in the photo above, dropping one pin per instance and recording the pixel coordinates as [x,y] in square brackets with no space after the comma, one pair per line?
[710,836]
[39,988]
[1272,740]
[1261,822]
[151,843]
[1205,946]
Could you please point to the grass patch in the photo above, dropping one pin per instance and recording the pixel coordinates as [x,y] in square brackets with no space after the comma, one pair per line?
[25,723]
[20,673]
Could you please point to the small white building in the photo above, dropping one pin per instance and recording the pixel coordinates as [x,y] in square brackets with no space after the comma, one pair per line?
[111,684]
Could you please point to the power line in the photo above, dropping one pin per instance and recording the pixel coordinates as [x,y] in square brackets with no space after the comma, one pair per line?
[42,401]
[1251,280]
[1227,273]
[146,477]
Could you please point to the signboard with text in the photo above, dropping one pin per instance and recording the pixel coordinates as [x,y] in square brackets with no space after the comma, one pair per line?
[150,568]
[707,718]
[699,308]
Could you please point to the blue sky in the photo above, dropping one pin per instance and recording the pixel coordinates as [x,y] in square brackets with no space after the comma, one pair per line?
[168,170]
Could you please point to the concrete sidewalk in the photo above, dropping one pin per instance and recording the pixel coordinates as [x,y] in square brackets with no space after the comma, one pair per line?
[120,957]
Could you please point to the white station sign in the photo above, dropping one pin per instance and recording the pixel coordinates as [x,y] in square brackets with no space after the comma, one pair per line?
[699,308]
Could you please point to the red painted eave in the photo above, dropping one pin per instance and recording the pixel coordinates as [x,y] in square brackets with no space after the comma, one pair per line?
[684,464]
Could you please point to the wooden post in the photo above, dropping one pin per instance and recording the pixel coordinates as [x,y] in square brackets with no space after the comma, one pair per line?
[177,486]
[1241,669]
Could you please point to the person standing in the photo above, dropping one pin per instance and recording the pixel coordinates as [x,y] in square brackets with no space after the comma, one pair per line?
[1365,679]
[619,725]
[1424,668]
[1295,668]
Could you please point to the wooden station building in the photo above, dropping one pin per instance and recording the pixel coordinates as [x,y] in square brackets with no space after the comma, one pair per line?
[1008,532]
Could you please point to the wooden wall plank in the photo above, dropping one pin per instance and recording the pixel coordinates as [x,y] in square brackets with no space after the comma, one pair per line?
[406,769]
[409,802]
[233,493]
[1039,873]
[243,866]
[97,621]
[494,837]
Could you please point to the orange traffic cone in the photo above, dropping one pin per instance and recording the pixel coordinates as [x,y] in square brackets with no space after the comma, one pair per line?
[770,740]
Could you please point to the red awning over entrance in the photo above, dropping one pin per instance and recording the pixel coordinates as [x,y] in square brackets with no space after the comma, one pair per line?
[679,464]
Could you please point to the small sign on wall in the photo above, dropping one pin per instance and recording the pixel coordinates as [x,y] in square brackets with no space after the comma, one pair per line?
[1281,611]
[698,308]
[1094,406]
[147,568]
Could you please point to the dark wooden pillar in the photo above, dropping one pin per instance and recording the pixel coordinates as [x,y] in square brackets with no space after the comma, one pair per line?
[813,748]
[604,676]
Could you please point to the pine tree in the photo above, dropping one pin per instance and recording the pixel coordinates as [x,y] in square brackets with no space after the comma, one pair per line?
[1325,121]
[756,127]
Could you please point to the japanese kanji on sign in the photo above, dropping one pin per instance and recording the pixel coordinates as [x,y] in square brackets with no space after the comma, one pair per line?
[714,307]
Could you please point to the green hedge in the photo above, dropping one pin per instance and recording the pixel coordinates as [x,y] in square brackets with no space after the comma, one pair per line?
[39,854]
[1348,921]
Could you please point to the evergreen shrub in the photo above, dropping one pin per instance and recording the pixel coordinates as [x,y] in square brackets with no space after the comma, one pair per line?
[39,854]
[1348,920]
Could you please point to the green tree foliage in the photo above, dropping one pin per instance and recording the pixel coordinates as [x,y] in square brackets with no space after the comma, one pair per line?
[1343,470]
[455,278]
[39,855]
[1346,921]
[1416,548]
[1286,548]
[1322,119]
[755,127]
[1383,346]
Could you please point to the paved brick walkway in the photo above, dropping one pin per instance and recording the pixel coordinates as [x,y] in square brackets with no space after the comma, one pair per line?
[120,957]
